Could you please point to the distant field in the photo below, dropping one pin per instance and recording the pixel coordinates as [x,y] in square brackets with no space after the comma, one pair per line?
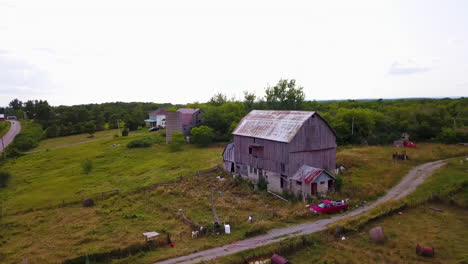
[60,141]
[51,177]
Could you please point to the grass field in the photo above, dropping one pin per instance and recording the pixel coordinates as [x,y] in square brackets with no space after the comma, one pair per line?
[445,231]
[60,141]
[4,127]
[446,189]
[49,177]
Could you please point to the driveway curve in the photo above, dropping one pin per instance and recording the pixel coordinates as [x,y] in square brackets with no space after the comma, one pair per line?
[11,134]
[413,179]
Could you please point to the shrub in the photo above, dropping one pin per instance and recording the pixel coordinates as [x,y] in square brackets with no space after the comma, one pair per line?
[12,152]
[87,166]
[125,132]
[177,141]
[140,143]
[262,184]
[202,135]
[4,177]
[88,202]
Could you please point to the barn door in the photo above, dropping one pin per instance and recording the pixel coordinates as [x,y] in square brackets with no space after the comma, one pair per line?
[331,186]
[313,188]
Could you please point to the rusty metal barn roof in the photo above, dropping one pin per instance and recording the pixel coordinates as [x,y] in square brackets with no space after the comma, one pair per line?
[308,174]
[272,125]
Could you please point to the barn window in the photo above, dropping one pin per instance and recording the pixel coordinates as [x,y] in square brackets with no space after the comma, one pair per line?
[250,150]
[251,169]
[255,170]
[283,183]
[283,167]
[299,183]
[322,182]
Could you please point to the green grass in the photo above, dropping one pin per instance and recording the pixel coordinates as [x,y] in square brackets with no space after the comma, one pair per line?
[60,141]
[51,177]
[4,127]
[445,231]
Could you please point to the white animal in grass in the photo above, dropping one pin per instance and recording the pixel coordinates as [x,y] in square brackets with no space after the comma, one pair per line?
[195,234]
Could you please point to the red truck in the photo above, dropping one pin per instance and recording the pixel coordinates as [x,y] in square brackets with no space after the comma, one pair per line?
[409,144]
[329,207]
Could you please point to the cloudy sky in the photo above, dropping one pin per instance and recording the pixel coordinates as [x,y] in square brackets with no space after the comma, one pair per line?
[74,52]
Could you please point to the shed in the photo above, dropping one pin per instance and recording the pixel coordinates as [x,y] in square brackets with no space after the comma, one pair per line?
[312,181]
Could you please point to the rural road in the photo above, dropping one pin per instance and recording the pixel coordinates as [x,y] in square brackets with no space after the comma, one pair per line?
[11,134]
[414,178]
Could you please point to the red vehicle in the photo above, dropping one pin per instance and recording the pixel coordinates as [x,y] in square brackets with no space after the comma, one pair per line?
[409,144]
[329,207]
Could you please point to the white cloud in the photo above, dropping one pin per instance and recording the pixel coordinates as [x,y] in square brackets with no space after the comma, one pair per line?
[412,66]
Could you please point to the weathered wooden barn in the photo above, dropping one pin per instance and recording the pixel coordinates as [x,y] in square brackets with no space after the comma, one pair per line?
[276,145]
[183,120]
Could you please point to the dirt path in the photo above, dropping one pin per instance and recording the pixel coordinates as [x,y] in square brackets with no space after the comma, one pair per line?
[10,135]
[414,178]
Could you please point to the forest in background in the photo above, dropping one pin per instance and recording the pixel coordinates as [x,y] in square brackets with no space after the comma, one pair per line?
[355,121]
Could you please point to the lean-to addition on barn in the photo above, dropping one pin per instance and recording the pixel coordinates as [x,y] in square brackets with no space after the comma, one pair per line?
[276,145]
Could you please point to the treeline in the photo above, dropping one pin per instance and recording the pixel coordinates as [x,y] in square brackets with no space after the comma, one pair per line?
[355,121]
[77,119]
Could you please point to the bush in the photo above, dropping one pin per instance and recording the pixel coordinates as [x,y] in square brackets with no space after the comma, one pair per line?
[177,141]
[202,135]
[4,177]
[140,143]
[125,132]
[262,184]
[87,166]
[12,152]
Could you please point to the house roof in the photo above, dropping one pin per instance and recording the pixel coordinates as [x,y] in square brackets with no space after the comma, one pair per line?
[308,174]
[160,111]
[273,125]
[186,114]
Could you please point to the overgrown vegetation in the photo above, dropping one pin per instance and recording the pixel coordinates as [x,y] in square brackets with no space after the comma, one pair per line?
[140,143]
[29,137]
[87,166]
[202,135]
[4,177]
[177,141]
[4,127]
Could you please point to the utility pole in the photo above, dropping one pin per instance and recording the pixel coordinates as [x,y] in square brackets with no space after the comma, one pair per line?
[352,126]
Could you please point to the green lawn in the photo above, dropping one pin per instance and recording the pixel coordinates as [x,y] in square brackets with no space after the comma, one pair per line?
[4,127]
[51,177]
[60,141]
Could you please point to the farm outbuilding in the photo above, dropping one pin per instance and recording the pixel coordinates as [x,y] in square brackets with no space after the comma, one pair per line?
[157,118]
[274,145]
[182,120]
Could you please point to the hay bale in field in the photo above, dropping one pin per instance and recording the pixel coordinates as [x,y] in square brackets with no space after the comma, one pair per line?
[425,251]
[88,202]
[377,235]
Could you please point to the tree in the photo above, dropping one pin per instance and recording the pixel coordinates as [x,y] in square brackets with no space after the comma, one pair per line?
[177,141]
[16,104]
[249,100]
[90,127]
[218,99]
[285,95]
[202,135]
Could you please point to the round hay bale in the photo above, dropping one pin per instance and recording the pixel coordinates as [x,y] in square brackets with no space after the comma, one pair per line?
[425,251]
[88,202]
[377,235]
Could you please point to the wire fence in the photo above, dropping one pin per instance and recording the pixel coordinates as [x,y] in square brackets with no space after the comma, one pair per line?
[4,210]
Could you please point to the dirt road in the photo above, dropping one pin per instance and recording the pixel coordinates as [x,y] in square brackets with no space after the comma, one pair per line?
[414,178]
[11,134]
